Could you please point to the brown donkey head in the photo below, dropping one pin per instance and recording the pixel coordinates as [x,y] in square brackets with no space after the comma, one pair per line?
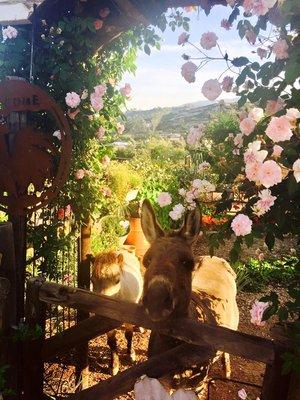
[106,273]
[169,263]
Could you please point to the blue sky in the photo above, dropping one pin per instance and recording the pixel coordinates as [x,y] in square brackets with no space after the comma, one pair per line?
[158,81]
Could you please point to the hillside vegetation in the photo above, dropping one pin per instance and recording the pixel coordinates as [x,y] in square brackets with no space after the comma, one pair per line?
[171,120]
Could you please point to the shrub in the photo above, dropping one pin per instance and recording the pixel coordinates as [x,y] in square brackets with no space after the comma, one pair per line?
[259,274]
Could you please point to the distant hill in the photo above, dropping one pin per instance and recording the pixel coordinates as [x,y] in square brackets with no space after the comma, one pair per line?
[171,119]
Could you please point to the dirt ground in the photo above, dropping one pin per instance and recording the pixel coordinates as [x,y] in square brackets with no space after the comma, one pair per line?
[248,374]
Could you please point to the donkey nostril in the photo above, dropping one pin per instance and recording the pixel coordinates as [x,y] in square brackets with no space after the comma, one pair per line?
[167,301]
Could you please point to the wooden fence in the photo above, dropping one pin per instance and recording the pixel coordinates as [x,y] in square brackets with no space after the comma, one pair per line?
[200,341]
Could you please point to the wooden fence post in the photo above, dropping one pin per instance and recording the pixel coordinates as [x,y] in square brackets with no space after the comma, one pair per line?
[19,223]
[10,350]
[33,361]
[275,385]
[83,280]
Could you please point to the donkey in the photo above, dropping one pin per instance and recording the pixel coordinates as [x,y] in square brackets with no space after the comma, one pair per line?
[118,275]
[175,286]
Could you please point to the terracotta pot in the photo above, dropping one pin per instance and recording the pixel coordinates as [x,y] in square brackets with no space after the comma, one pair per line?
[137,238]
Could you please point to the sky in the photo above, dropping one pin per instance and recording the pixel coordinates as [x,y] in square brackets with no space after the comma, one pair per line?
[158,81]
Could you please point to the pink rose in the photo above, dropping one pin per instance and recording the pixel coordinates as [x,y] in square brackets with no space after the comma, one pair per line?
[247,126]
[120,128]
[104,12]
[280,48]
[279,129]
[256,114]
[191,195]
[208,40]
[105,161]
[252,170]
[177,212]
[277,150]
[265,202]
[106,191]
[72,99]
[250,36]
[9,33]
[183,38]
[182,192]
[190,8]
[68,279]
[238,140]
[296,169]
[126,90]
[262,53]
[227,83]
[68,210]
[257,311]
[203,186]
[273,106]
[203,166]
[242,394]
[241,225]
[100,133]
[79,174]
[96,101]
[292,114]
[269,174]
[261,7]
[226,24]
[248,5]
[98,23]
[164,199]
[254,154]
[100,89]
[236,152]
[188,71]
[211,89]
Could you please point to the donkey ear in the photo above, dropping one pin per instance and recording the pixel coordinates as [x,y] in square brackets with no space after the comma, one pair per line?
[120,259]
[192,224]
[150,226]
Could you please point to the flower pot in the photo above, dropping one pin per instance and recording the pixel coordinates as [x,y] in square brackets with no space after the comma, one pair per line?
[122,239]
[137,238]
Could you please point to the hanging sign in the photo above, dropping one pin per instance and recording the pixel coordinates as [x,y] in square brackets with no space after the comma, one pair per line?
[34,163]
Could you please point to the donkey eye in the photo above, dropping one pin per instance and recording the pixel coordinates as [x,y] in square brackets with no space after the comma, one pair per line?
[146,261]
[188,264]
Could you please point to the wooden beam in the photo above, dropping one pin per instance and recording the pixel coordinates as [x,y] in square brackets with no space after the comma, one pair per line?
[275,384]
[10,352]
[83,281]
[188,330]
[169,362]
[33,362]
[81,332]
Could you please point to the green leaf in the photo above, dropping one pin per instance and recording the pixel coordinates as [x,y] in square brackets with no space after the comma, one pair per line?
[255,66]
[240,61]
[186,26]
[147,49]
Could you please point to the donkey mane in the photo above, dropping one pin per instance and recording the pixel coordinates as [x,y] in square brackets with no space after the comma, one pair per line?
[101,259]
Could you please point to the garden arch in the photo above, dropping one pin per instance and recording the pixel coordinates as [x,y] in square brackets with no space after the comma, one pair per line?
[127,14]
